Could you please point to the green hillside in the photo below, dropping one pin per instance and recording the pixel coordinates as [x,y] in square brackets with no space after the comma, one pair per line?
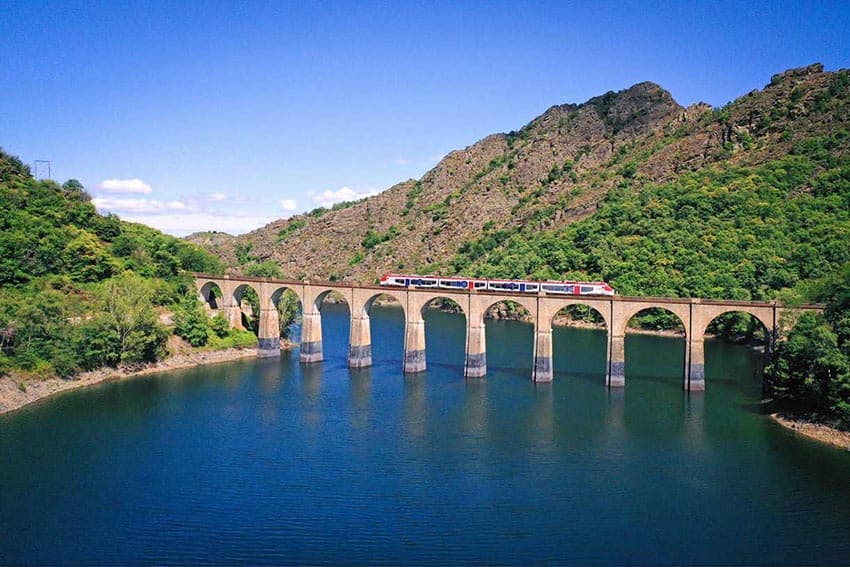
[79,290]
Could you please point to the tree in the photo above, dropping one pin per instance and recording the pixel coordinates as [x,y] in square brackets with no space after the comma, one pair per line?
[191,322]
[287,309]
[88,260]
[127,329]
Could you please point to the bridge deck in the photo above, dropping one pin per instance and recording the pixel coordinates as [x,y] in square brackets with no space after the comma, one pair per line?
[620,298]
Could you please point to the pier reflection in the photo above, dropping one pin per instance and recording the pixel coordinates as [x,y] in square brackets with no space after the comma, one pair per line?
[360,395]
[415,406]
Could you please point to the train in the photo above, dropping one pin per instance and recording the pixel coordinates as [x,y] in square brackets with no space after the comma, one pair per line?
[475,284]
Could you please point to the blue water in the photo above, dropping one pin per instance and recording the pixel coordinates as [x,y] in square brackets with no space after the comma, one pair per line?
[271,462]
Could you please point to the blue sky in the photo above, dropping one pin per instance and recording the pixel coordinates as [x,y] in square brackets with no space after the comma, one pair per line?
[225,116]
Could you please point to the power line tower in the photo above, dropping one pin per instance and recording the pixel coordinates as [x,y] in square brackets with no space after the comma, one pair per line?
[41,164]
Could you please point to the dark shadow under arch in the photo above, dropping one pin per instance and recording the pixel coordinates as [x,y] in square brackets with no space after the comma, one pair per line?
[212,296]
[248,301]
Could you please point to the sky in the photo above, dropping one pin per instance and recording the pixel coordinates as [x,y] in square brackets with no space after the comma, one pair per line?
[228,115]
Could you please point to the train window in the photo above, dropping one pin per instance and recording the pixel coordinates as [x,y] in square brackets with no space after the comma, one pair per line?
[587,289]
[480,285]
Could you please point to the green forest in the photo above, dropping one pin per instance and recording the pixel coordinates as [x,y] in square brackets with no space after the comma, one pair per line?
[80,290]
[780,230]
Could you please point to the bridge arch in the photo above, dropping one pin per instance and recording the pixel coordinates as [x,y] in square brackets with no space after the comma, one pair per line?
[593,316]
[707,313]
[212,296]
[389,326]
[681,314]
[703,352]
[681,310]
[371,297]
[277,292]
[330,295]
[451,342]
[285,307]
[527,303]
[511,320]
[239,318]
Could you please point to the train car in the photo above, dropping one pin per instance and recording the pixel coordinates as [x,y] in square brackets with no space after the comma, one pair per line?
[513,286]
[462,283]
[402,280]
[577,288]
[521,286]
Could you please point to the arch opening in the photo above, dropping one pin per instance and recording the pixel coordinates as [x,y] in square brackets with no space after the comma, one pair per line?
[724,359]
[509,337]
[247,304]
[289,313]
[386,329]
[738,327]
[445,331]
[335,323]
[580,342]
[655,347]
[212,297]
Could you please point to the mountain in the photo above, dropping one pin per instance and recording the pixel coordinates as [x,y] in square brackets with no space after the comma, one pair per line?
[597,165]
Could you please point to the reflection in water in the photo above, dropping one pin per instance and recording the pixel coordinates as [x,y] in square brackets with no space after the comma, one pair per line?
[415,405]
[360,389]
[543,416]
[694,411]
[475,408]
[269,382]
[616,401]
[270,376]
[311,380]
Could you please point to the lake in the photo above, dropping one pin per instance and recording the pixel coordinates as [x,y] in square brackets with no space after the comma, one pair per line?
[270,462]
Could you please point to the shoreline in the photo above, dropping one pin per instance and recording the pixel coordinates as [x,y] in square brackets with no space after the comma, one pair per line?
[815,431]
[14,397]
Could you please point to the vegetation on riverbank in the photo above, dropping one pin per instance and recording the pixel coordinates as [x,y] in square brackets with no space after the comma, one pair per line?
[80,291]
[809,377]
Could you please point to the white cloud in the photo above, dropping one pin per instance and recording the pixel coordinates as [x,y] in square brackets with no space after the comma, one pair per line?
[403,161]
[181,224]
[329,198]
[119,205]
[288,205]
[134,185]
[217,196]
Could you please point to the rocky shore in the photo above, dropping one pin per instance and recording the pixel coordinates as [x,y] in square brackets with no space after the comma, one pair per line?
[16,393]
[816,431]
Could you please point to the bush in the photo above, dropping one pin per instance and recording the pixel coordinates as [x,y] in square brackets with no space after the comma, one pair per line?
[191,322]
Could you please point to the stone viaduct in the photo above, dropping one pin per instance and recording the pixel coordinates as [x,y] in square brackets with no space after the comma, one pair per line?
[694,314]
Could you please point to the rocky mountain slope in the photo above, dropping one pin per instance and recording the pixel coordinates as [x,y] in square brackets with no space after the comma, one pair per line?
[554,171]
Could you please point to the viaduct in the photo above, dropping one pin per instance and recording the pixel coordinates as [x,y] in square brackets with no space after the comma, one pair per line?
[694,314]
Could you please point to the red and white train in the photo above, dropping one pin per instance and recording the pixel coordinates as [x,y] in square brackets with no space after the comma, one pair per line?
[522,286]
